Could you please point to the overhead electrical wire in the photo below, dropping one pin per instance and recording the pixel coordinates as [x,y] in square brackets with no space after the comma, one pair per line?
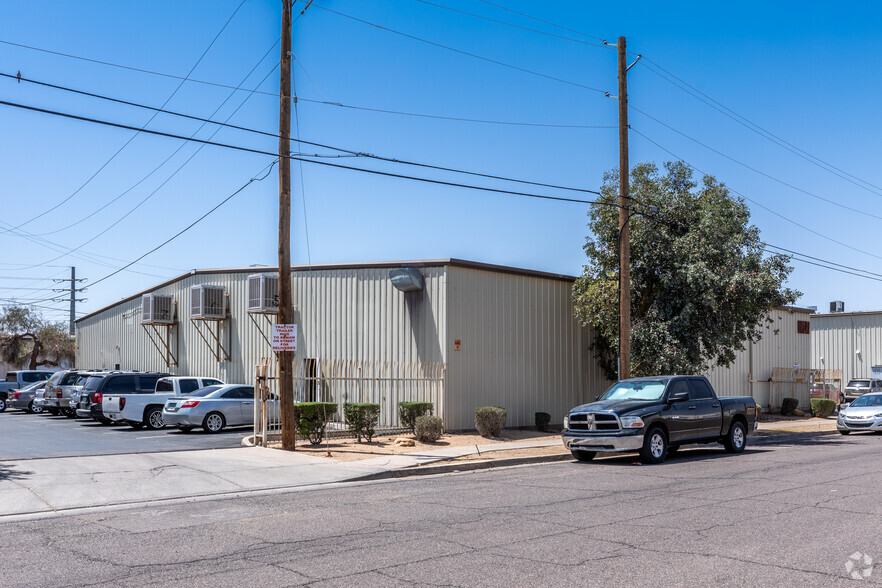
[757,203]
[601,39]
[862,212]
[839,267]
[132,138]
[461,52]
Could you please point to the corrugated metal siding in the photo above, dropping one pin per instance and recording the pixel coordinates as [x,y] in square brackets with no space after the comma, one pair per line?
[522,348]
[341,314]
[836,340]
[780,346]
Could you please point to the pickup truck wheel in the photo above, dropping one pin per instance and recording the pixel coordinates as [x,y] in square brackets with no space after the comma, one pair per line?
[34,409]
[736,439]
[153,419]
[213,423]
[581,455]
[655,446]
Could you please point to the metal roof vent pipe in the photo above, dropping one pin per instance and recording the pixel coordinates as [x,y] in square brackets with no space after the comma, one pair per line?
[408,279]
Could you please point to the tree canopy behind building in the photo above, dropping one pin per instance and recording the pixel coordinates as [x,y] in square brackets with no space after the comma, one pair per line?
[700,284]
[25,336]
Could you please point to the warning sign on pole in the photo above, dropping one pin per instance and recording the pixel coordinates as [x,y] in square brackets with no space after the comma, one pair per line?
[284,337]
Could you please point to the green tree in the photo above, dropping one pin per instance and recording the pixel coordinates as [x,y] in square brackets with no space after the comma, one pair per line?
[26,336]
[700,287]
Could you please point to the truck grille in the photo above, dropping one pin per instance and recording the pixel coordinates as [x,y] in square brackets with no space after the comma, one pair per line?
[593,421]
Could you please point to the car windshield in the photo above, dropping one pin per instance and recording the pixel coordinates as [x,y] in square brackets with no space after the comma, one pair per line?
[859,384]
[204,391]
[639,390]
[868,400]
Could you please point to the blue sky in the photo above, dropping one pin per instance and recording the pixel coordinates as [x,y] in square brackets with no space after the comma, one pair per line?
[806,72]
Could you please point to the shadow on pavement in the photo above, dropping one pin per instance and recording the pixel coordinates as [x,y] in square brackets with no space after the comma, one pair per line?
[8,472]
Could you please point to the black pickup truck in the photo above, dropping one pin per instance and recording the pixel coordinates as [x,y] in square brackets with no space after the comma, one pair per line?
[655,416]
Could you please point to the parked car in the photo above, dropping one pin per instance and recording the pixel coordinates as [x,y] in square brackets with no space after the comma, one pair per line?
[212,408]
[859,387]
[76,392]
[657,415]
[21,378]
[62,383]
[23,399]
[864,414]
[100,384]
[142,408]
[825,390]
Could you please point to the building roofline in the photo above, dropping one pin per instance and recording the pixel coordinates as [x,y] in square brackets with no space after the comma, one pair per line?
[341,266]
[855,313]
[798,309]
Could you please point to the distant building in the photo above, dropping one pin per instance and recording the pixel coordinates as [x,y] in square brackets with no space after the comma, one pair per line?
[850,341]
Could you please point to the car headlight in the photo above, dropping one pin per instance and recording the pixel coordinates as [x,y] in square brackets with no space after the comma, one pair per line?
[632,422]
[566,422]
[876,416]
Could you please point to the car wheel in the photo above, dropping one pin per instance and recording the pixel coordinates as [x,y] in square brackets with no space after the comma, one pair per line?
[655,446]
[34,409]
[185,428]
[736,439]
[2,404]
[153,419]
[844,432]
[136,425]
[583,455]
[214,422]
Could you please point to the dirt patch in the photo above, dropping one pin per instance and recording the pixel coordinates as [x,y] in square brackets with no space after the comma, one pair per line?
[351,450]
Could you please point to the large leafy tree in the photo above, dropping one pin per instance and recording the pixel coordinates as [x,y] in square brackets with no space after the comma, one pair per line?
[25,336]
[701,287]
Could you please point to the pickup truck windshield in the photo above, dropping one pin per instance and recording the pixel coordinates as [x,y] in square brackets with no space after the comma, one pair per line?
[643,390]
[868,400]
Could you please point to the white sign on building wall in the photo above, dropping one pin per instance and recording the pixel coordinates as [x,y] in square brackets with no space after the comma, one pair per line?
[284,337]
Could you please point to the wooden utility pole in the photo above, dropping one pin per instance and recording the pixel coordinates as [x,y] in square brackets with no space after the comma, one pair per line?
[624,231]
[286,314]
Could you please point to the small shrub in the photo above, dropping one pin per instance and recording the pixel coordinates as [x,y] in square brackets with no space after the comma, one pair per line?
[490,420]
[311,418]
[408,412]
[542,420]
[362,417]
[822,407]
[788,405]
[428,428]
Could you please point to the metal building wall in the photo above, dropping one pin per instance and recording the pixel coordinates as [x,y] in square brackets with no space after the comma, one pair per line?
[781,345]
[837,339]
[340,313]
[521,347]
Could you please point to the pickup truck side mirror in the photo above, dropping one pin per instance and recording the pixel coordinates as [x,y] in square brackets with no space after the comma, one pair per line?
[596,398]
[678,397]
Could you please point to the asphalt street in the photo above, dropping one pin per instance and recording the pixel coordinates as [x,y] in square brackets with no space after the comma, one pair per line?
[777,515]
[26,436]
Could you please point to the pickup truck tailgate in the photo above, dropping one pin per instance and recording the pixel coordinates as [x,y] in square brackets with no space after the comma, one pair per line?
[110,405]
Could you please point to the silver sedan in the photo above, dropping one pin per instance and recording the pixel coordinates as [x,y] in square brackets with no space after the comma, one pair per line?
[23,399]
[212,408]
[864,414]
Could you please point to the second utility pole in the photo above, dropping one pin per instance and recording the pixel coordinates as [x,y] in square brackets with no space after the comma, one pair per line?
[624,366]
[286,314]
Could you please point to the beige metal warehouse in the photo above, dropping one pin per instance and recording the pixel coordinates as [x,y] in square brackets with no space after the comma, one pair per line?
[849,341]
[504,336]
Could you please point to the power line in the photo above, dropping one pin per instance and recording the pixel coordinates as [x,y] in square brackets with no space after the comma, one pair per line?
[461,52]
[543,21]
[839,265]
[764,133]
[132,138]
[297,158]
[766,208]
[835,269]
[275,135]
[757,171]
[190,226]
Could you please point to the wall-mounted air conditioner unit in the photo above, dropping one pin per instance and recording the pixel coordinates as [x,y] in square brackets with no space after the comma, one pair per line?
[837,306]
[208,302]
[157,309]
[263,293]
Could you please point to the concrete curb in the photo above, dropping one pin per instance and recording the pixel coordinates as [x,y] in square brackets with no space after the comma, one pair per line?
[463,467]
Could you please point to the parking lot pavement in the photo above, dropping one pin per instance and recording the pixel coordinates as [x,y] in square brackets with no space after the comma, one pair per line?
[34,436]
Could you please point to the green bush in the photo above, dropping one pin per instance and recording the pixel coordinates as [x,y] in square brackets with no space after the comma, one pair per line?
[822,407]
[408,412]
[788,405]
[362,417]
[428,428]
[542,420]
[490,420]
[311,418]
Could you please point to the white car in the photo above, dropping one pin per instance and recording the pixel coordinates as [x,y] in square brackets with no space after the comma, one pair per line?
[864,414]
